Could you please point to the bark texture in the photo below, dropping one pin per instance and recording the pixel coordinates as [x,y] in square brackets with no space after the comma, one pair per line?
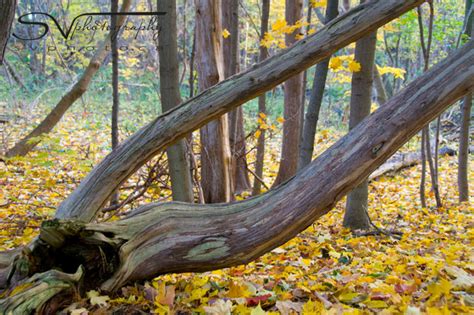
[178,162]
[115,87]
[26,144]
[178,237]
[262,107]
[463,157]
[216,176]
[355,216]
[379,87]
[230,22]
[7,15]
[90,197]
[316,99]
[464,136]
[293,104]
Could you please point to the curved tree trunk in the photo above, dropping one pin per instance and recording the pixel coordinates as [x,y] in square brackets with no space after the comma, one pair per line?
[92,194]
[180,172]
[178,237]
[7,15]
[26,144]
[316,99]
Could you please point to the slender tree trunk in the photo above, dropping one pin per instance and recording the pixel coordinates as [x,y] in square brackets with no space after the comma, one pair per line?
[293,107]
[426,50]
[180,173]
[464,137]
[26,144]
[115,86]
[191,66]
[215,149]
[230,22]
[115,75]
[356,216]
[463,157]
[262,108]
[195,238]
[317,93]
[7,15]
[381,93]
[88,199]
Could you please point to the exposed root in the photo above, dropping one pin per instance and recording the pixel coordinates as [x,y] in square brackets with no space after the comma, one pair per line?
[35,294]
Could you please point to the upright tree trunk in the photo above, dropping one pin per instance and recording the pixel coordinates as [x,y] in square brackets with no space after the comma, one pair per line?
[379,87]
[215,149]
[7,15]
[230,21]
[262,108]
[90,197]
[115,85]
[316,99]
[464,137]
[178,162]
[425,136]
[356,216]
[115,75]
[293,106]
[26,144]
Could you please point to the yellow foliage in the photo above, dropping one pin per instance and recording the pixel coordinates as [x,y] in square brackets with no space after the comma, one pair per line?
[318,3]
[397,72]
[225,33]
[335,63]
[354,66]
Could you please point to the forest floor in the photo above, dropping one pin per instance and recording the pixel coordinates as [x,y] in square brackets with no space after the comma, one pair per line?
[324,270]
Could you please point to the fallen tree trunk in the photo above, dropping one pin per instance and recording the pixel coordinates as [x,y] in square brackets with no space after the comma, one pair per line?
[179,237]
[94,191]
[403,160]
[25,145]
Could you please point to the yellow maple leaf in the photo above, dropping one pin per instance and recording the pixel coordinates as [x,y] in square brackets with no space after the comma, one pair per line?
[299,36]
[238,290]
[281,120]
[312,307]
[279,25]
[335,63]
[225,33]
[258,133]
[354,66]
[438,289]
[258,310]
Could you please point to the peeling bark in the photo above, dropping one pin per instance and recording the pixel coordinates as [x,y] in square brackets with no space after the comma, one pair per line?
[216,177]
